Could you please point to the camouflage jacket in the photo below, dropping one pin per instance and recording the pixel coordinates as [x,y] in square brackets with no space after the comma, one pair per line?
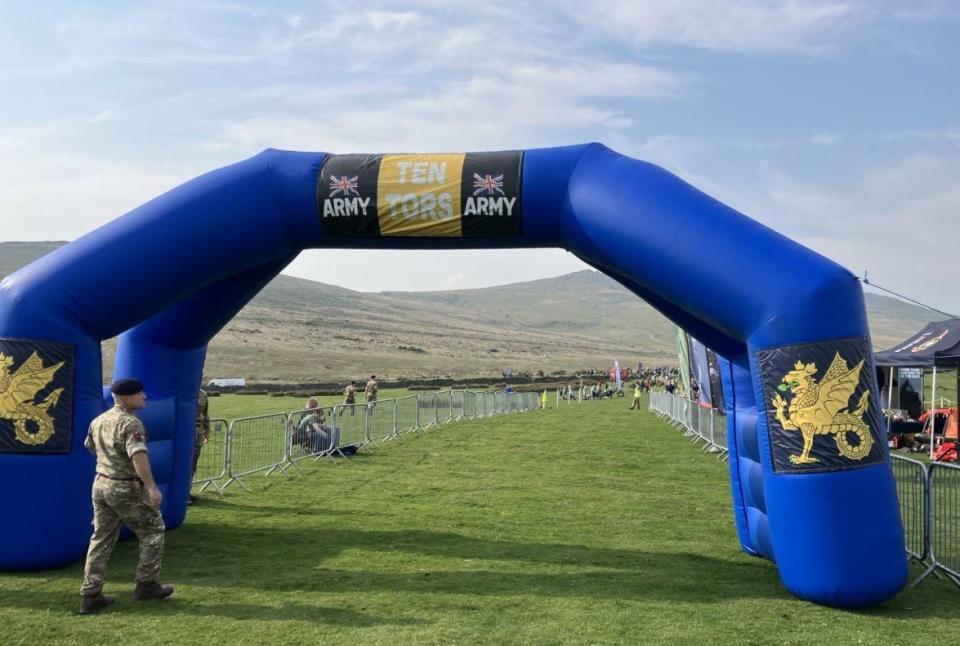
[114,437]
[202,424]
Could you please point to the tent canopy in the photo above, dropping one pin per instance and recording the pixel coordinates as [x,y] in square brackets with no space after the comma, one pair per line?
[938,344]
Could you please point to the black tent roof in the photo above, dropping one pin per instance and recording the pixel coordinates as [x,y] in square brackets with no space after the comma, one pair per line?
[938,344]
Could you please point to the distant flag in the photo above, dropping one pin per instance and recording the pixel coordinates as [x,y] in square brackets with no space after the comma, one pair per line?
[616,370]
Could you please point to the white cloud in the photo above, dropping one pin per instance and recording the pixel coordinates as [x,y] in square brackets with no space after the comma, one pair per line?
[898,221]
[59,196]
[950,134]
[514,109]
[745,26]
[825,138]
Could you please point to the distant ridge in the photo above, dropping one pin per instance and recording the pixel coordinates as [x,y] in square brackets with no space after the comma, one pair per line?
[302,330]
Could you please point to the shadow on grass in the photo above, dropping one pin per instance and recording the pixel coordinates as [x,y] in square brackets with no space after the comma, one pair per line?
[290,560]
[224,504]
[181,605]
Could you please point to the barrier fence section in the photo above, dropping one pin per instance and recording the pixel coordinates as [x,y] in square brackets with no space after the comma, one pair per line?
[444,409]
[469,405]
[489,404]
[256,444]
[910,477]
[456,405]
[406,415]
[699,423]
[944,519]
[352,422]
[280,441]
[381,418]
[211,463]
[427,413]
[929,494]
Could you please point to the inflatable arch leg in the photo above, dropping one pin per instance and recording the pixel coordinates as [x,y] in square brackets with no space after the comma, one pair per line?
[810,475]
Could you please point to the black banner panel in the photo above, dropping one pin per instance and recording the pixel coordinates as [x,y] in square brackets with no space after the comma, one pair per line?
[822,411]
[421,195]
[347,196]
[36,396]
[490,194]
[716,384]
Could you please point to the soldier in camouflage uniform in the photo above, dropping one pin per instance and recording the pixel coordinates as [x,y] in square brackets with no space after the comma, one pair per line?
[350,395]
[370,392]
[201,433]
[124,492]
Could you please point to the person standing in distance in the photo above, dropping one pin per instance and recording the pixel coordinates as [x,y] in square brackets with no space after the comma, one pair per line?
[636,396]
[201,434]
[370,392]
[124,493]
[350,395]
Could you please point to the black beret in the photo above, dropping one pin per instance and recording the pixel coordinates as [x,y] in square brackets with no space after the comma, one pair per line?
[126,387]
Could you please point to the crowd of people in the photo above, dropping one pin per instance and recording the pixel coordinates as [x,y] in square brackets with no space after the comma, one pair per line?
[665,378]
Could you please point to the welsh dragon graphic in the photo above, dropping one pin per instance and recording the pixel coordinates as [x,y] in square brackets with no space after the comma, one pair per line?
[818,408]
[17,392]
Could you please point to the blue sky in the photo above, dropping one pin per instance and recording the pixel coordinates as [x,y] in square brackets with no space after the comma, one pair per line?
[833,121]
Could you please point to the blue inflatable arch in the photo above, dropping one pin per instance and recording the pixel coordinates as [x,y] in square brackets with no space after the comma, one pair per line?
[811,479]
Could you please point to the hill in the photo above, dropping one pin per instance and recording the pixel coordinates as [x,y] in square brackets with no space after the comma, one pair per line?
[302,330]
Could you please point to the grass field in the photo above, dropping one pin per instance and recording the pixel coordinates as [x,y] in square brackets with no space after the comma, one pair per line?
[585,524]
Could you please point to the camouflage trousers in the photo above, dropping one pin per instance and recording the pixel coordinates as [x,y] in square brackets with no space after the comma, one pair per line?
[197,447]
[117,503]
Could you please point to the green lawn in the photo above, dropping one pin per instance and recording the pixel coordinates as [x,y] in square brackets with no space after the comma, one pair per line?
[585,524]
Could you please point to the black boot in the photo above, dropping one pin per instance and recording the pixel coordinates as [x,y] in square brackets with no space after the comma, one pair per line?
[149,590]
[95,603]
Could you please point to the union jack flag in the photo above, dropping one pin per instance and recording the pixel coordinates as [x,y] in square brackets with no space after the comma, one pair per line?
[344,185]
[488,183]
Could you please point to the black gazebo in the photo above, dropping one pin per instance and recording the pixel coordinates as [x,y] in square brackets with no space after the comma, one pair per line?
[935,346]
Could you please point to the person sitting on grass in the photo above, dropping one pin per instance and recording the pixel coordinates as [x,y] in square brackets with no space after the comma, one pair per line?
[312,432]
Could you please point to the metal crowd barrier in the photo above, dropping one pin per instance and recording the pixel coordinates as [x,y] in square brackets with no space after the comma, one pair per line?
[910,478]
[212,461]
[930,508]
[256,444]
[697,422]
[381,420]
[944,519]
[406,415]
[456,405]
[444,407]
[469,405]
[427,415]
[489,404]
[352,421]
[929,495]
[279,441]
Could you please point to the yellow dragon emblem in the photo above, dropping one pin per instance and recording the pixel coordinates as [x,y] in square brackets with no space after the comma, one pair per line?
[818,408]
[17,391]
